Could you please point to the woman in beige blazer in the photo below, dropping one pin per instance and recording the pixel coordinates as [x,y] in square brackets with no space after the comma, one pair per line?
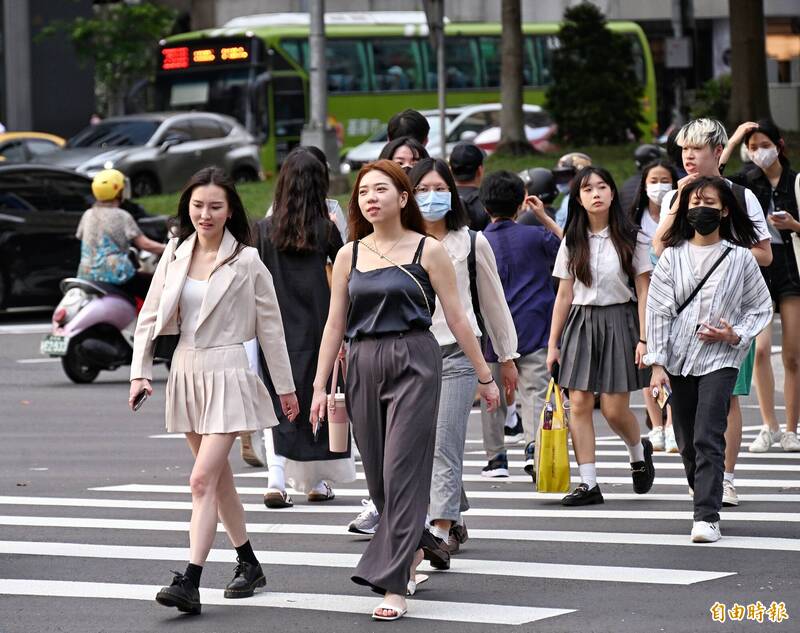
[212,289]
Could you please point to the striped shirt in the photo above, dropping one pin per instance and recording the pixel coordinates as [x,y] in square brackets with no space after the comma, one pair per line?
[742,300]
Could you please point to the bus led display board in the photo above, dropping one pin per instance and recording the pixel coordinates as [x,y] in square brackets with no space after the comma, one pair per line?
[182,57]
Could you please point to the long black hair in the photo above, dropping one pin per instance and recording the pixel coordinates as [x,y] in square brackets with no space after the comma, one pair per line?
[238,224]
[299,202]
[457,217]
[641,201]
[623,230]
[418,150]
[736,227]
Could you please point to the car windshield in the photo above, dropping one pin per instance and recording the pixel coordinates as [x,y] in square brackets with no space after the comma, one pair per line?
[115,134]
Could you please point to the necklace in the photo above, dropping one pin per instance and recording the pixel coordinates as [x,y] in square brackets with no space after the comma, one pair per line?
[377,251]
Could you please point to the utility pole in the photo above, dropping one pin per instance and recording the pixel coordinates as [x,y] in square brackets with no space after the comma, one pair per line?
[317,132]
[434,11]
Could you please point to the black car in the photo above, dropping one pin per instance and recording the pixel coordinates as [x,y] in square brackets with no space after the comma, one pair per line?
[40,208]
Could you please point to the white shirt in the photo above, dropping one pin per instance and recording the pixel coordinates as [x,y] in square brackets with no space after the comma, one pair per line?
[702,258]
[649,225]
[191,301]
[609,282]
[754,211]
[494,308]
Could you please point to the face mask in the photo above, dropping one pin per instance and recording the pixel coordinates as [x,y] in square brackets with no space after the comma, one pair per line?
[434,205]
[657,191]
[704,220]
[764,156]
[562,187]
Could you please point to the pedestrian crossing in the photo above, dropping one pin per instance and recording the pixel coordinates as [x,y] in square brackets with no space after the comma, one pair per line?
[632,543]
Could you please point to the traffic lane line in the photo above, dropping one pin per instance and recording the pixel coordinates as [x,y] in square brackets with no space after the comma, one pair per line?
[569,537]
[607,573]
[331,603]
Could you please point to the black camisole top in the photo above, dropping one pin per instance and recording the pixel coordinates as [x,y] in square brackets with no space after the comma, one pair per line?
[386,300]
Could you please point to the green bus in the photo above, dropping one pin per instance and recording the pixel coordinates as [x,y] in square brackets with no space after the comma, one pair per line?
[255,68]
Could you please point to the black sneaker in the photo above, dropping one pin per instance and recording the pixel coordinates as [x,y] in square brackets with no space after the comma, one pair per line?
[530,465]
[644,473]
[181,594]
[583,496]
[514,433]
[435,550]
[246,579]
[497,467]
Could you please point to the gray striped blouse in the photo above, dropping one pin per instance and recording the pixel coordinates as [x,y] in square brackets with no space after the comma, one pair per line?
[741,298]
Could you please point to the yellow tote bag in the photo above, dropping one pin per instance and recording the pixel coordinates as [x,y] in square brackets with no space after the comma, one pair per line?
[552,453]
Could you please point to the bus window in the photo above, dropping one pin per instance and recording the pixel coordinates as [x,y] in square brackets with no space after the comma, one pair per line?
[638,57]
[460,61]
[294,49]
[541,47]
[290,105]
[347,68]
[491,61]
[397,65]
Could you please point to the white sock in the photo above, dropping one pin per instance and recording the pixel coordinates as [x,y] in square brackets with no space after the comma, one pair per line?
[277,479]
[438,532]
[588,474]
[511,417]
[636,452]
[319,488]
[728,477]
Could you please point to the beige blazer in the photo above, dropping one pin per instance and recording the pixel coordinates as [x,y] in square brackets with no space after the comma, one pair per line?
[239,305]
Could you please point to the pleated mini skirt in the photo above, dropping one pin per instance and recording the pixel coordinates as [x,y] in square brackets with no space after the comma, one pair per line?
[213,390]
[598,349]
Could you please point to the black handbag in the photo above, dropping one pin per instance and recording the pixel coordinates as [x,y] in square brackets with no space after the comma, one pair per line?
[164,347]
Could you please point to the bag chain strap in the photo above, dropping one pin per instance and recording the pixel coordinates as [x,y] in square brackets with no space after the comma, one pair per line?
[416,281]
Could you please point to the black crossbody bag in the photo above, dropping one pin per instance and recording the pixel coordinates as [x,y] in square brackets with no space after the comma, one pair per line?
[704,280]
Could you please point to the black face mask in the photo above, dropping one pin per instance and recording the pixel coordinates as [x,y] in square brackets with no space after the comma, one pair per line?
[704,220]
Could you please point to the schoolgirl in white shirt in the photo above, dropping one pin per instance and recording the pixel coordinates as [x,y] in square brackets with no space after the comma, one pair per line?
[597,333]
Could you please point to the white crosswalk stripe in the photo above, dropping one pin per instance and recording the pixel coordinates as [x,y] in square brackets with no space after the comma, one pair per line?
[509,514]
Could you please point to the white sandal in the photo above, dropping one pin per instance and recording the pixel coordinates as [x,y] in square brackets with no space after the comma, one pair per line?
[398,613]
[412,584]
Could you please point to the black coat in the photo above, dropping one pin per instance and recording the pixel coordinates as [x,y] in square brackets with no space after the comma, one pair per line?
[301,286]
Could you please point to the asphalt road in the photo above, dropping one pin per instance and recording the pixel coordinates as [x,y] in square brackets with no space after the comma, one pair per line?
[94,506]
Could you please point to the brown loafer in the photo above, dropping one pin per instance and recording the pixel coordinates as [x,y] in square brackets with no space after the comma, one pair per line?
[277,499]
[316,497]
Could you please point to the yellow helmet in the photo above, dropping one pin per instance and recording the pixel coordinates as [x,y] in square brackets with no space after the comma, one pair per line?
[108,185]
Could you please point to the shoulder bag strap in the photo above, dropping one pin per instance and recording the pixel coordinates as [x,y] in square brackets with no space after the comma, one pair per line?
[473,280]
[416,281]
[704,279]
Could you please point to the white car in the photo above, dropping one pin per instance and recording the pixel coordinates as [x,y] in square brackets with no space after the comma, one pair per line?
[479,124]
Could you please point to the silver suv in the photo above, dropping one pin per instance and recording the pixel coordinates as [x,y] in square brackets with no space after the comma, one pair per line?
[159,152]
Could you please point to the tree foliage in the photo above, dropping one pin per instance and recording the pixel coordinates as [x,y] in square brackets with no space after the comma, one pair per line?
[595,94]
[121,41]
[713,100]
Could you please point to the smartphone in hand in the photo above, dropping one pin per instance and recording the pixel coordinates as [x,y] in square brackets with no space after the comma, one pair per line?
[662,395]
[138,401]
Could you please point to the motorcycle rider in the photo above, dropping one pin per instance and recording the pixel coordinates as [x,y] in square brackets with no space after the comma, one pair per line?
[107,232]
[539,182]
[644,155]
[563,173]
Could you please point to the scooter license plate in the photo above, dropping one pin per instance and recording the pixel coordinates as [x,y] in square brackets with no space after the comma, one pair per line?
[53,345]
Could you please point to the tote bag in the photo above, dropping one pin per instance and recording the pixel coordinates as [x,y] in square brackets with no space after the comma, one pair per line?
[552,453]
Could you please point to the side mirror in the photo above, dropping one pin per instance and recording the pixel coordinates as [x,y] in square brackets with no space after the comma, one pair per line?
[170,141]
[468,135]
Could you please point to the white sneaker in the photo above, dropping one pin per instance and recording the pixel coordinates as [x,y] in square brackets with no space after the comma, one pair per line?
[367,521]
[670,444]
[656,437]
[705,532]
[764,440]
[790,443]
[729,496]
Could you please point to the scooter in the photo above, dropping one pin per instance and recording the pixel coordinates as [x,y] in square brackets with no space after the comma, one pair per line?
[93,327]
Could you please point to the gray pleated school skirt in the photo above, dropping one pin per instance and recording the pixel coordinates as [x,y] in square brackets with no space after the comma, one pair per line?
[598,349]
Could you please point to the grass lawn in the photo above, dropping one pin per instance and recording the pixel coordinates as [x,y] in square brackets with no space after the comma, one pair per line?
[618,159]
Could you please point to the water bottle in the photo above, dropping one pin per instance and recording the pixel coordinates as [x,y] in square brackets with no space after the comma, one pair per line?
[548,417]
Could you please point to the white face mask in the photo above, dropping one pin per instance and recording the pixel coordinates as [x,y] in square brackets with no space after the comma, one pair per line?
[764,157]
[657,191]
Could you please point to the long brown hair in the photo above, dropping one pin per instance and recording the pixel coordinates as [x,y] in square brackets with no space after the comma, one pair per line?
[621,227]
[410,217]
[299,202]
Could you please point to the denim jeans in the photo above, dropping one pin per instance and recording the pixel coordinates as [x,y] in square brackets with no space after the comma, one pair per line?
[459,382]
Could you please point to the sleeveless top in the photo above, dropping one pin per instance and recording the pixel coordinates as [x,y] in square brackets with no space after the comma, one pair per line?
[191,301]
[386,300]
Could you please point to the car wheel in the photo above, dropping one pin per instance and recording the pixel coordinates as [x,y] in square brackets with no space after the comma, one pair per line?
[75,369]
[144,184]
[245,174]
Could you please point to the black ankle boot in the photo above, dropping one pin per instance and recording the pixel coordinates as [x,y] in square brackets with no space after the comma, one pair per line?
[181,594]
[246,579]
